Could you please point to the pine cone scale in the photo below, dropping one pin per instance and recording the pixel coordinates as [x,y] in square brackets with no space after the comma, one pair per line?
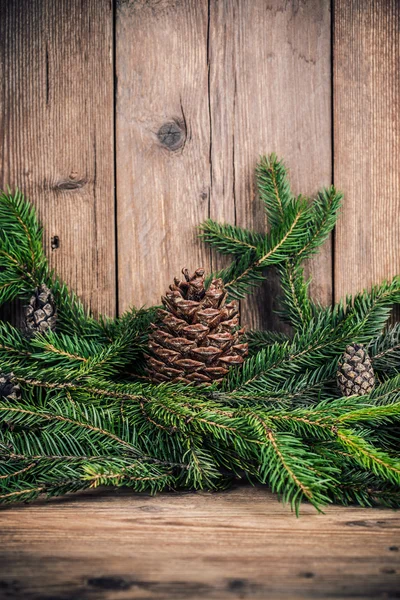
[189,365]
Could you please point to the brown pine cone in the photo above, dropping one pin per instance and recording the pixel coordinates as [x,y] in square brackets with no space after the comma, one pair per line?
[198,338]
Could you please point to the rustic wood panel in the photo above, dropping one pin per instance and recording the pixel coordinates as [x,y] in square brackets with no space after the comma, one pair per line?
[233,80]
[238,544]
[162,144]
[270,91]
[367,141]
[56,133]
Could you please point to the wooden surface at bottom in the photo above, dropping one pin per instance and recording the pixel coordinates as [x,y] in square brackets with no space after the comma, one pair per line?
[237,544]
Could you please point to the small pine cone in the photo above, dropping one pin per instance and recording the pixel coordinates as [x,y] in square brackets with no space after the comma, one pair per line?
[40,314]
[355,373]
[8,389]
[198,336]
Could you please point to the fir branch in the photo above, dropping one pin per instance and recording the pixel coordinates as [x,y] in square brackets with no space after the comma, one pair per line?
[258,339]
[321,342]
[296,308]
[305,475]
[277,420]
[52,478]
[241,276]
[385,350]
[274,188]
[14,347]
[387,392]
[371,458]
[229,239]
[251,260]
[297,230]
[21,250]
[355,488]
[323,217]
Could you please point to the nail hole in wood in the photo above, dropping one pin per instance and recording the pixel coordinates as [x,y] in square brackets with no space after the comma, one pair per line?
[55,242]
[171,135]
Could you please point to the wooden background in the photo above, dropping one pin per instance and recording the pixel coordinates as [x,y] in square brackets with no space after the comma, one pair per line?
[129,123]
[238,545]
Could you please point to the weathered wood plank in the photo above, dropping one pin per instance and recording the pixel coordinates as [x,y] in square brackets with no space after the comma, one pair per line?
[56,133]
[366,141]
[162,144]
[238,79]
[270,91]
[238,544]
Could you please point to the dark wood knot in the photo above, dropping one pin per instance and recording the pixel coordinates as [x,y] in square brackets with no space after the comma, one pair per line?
[109,583]
[70,184]
[172,135]
[307,574]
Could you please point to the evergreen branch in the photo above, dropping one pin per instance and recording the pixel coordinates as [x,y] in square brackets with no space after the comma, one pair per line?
[11,286]
[274,188]
[297,308]
[65,357]
[321,342]
[21,251]
[323,217]
[278,420]
[305,475]
[54,478]
[63,424]
[229,239]
[13,345]
[365,493]
[373,414]
[385,350]
[387,392]
[371,458]
[277,246]
[260,339]
[241,276]
[297,231]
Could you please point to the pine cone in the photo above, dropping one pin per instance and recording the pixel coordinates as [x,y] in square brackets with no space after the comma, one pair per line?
[198,338]
[355,373]
[8,389]
[40,314]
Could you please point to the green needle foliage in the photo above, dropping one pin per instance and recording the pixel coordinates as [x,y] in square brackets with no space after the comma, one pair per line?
[88,416]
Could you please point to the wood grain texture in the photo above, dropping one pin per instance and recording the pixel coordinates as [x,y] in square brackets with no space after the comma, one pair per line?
[237,544]
[56,133]
[239,79]
[270,91]
[367,141]
[162,144]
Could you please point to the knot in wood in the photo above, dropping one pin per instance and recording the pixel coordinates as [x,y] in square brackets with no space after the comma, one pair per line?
[171,135]
[70,184]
